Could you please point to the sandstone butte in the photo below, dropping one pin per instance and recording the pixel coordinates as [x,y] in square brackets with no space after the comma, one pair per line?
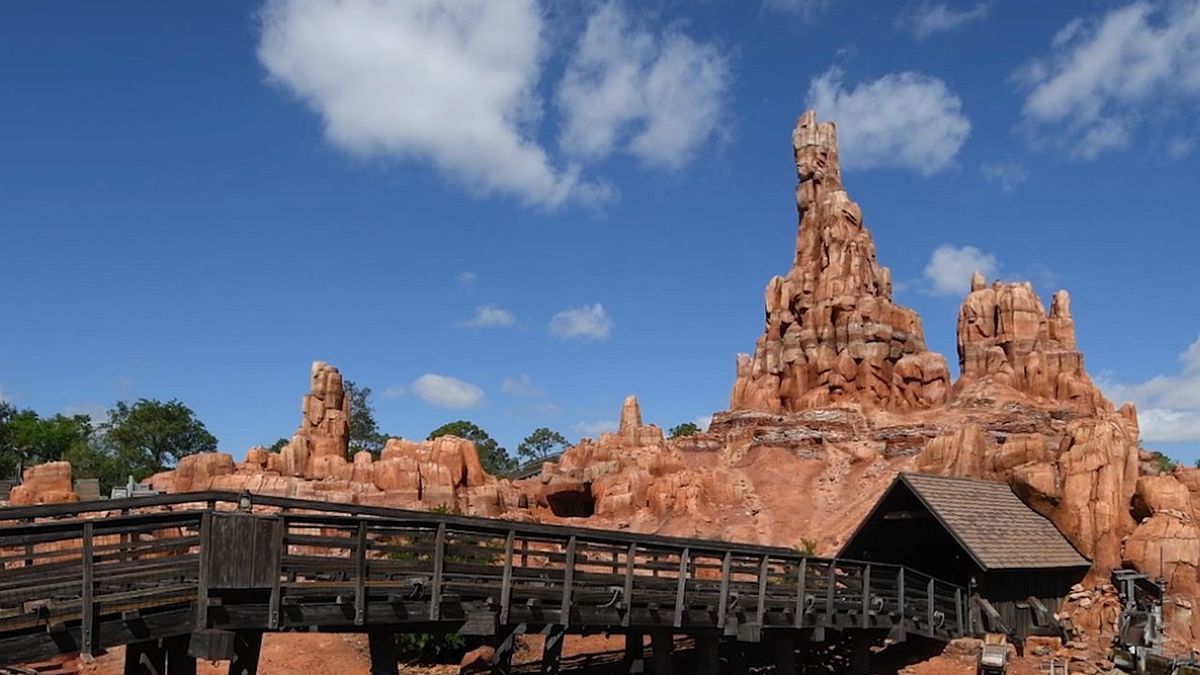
[839,395]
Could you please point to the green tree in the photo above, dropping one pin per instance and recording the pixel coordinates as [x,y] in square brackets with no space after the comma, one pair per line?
[541,444]
[151,435]
[494,458]
[27,439]
[364,432]
[277,445]
[685,429]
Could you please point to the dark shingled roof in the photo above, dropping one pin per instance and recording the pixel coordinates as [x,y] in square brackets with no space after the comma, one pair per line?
[993,524]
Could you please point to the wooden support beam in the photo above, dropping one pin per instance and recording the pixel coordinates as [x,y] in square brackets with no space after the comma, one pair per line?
[830,591]
[708,655]
[145,658]
[360,574]
[662,644]
[552,650]
[88,606]
[246,647]
[179,662]
[206,554]
[907,515]
[439,565]
[382,647]
[681,588]
[506,579]
[929,599]
[860,654]
[635,654]
[568,583]
[783,645]
[723,601]
[866,596]
[958,611]
[760,609]
[801,585]
[627,599]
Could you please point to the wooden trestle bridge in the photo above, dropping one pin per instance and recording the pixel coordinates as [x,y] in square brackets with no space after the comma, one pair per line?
[204,575]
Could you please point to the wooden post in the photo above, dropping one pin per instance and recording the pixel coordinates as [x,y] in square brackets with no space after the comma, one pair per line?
[202,574]
[506,580]
[929,596]
[681,587]
[87,605]
[662,644]
[382,646]
[829,613]
[552,649]
[630,562]
[860,653]
[179,662]
[958,610]
[276,599]
[903,610]
[723,601]
[760,611]
[439,563]
[635,654]
[708,655]
[784,647]
[801,584]
[246,647]
[145,658]
[866,598]
[360,574]
[564,611]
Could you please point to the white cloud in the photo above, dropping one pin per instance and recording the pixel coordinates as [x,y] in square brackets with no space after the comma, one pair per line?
[702,421]
[1008,174]
[805,8]
[1179,147]
[521,385]
[1168,405]
[588,322]
[928,18]
[446,392]
[94,411]
[594,429]
[1103,73]
[394,391]
[451,82]
[660,97]
[466,280]
[907,120]
[490,316]
[547,409]
[950,268]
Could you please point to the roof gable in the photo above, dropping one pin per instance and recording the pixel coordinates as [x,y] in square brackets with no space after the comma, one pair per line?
[996,528]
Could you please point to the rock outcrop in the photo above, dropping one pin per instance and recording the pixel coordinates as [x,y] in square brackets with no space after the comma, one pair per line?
[48,483]
[833,334]
[323,439]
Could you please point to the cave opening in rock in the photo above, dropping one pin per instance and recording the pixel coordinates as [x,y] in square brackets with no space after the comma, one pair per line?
[577,503]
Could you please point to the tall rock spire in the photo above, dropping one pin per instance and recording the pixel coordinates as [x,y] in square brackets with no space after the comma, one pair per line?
[833,334]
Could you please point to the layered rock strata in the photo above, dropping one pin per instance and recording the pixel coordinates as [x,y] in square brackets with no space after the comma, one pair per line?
[833,334]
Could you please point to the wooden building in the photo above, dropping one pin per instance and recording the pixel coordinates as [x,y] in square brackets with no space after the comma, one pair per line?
[1016,564]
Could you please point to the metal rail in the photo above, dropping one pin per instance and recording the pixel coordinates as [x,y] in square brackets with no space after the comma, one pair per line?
[81,577]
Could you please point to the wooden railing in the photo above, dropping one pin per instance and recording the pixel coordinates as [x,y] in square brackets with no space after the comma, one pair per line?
[178,563]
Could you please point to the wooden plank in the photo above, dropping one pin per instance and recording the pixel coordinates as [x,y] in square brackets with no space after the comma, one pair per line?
[830,591]
[382,648]
[627,598]
[723,601]
[88,615]
[929,598]
[681,587]
[506,579]
[901,602]
[439,564]
[801,585]
[276,591]
[552,650]
[206,554]
[760,611]
[568,583]
[360,574]
[958,611]
[866,596]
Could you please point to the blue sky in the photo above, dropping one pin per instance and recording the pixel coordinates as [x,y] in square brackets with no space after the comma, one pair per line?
[517,213]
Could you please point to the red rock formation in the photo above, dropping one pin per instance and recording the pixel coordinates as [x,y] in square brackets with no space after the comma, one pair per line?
[833,334]
[323,439]
[48,483]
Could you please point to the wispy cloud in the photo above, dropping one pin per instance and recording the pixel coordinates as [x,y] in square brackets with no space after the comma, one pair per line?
[928,18]
[521,385]
[394,391]
[1007,174]
[445,391]
[1168,405]
[466,280]
[594,429]
[490,316]
[1090,93]
[587,322]
[905,120]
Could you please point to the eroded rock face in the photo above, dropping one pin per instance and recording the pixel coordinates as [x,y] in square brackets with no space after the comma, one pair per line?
[323,439]
[48,483]
[833,334]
